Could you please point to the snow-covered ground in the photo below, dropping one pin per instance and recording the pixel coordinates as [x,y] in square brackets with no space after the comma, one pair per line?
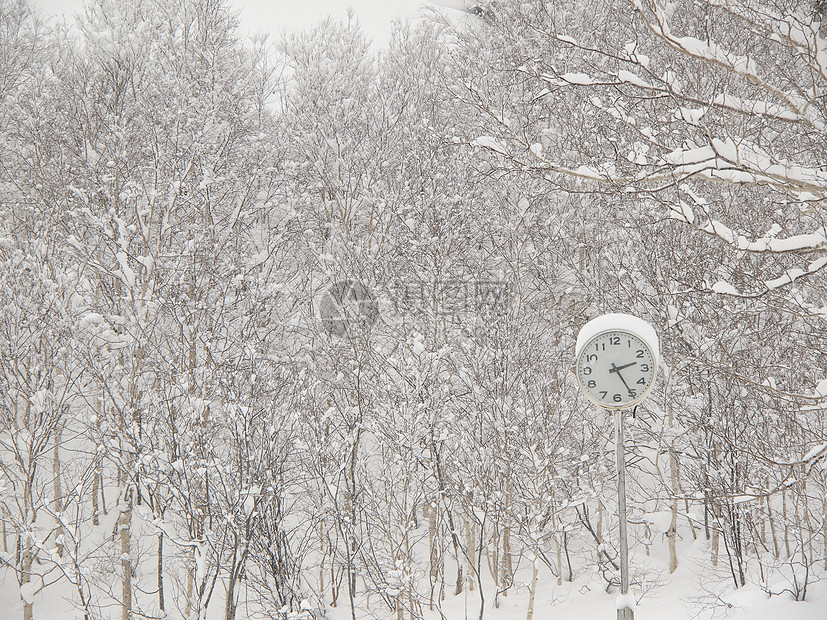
[693,592]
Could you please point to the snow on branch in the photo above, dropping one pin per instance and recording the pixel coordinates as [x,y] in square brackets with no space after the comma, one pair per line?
[802,33]
[816,453]
[584,172]
[791,275]
[490,143]
[754,107]
[666,85]
[742,163]
[794,244]
[707,51]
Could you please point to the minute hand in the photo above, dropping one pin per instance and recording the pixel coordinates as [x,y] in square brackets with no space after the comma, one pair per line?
[617,369]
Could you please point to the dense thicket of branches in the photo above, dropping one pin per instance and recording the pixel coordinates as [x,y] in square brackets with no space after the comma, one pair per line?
[285,327]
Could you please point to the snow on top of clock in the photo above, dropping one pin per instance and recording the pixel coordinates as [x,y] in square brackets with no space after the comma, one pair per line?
[622,322]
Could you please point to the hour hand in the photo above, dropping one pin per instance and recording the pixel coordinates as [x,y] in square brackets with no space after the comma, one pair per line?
[617,369]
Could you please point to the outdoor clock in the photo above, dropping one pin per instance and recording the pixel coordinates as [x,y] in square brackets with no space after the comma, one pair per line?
[616,358]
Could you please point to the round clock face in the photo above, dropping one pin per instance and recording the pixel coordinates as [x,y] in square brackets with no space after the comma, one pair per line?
[615,369]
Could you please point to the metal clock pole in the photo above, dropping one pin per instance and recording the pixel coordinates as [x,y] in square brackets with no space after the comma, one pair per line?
[623,613]
[615,354]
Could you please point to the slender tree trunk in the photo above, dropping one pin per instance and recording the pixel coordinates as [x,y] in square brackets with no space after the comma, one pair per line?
[786,523]
[95,490]
[27,551]
[494,562]
[599,527]
[736,547]
[161,572]
[457,552]
[407,556]
[808,526]
[96,466]
[479,569]
[716,535]
[559,561]
[58,493]
[672,532]
[715,546]
[350,511]
[410,603]
[230,606]
[334,590]
[26,558]
[433,571]
[679,491]
[125,527]
[532,592]
[102,489]
[775,549]
[350,542]
[506,560]
[706,499]
[569,569]
[321,563]
[190,584]
[470,534]
[449,513]
[26,567]
[824,527]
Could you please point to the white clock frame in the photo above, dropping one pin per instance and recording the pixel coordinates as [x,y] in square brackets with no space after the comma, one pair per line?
[600,327]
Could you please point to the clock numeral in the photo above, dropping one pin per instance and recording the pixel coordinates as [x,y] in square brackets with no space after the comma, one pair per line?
[644,368]
[632,393]
[599,346]
[591,358]
[617,398]
[639,354]
[591,384]
[641,381]
[587,370]
[603,394]
[614,340]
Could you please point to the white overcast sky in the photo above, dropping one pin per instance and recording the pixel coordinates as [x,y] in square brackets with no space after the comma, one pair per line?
[277,16]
